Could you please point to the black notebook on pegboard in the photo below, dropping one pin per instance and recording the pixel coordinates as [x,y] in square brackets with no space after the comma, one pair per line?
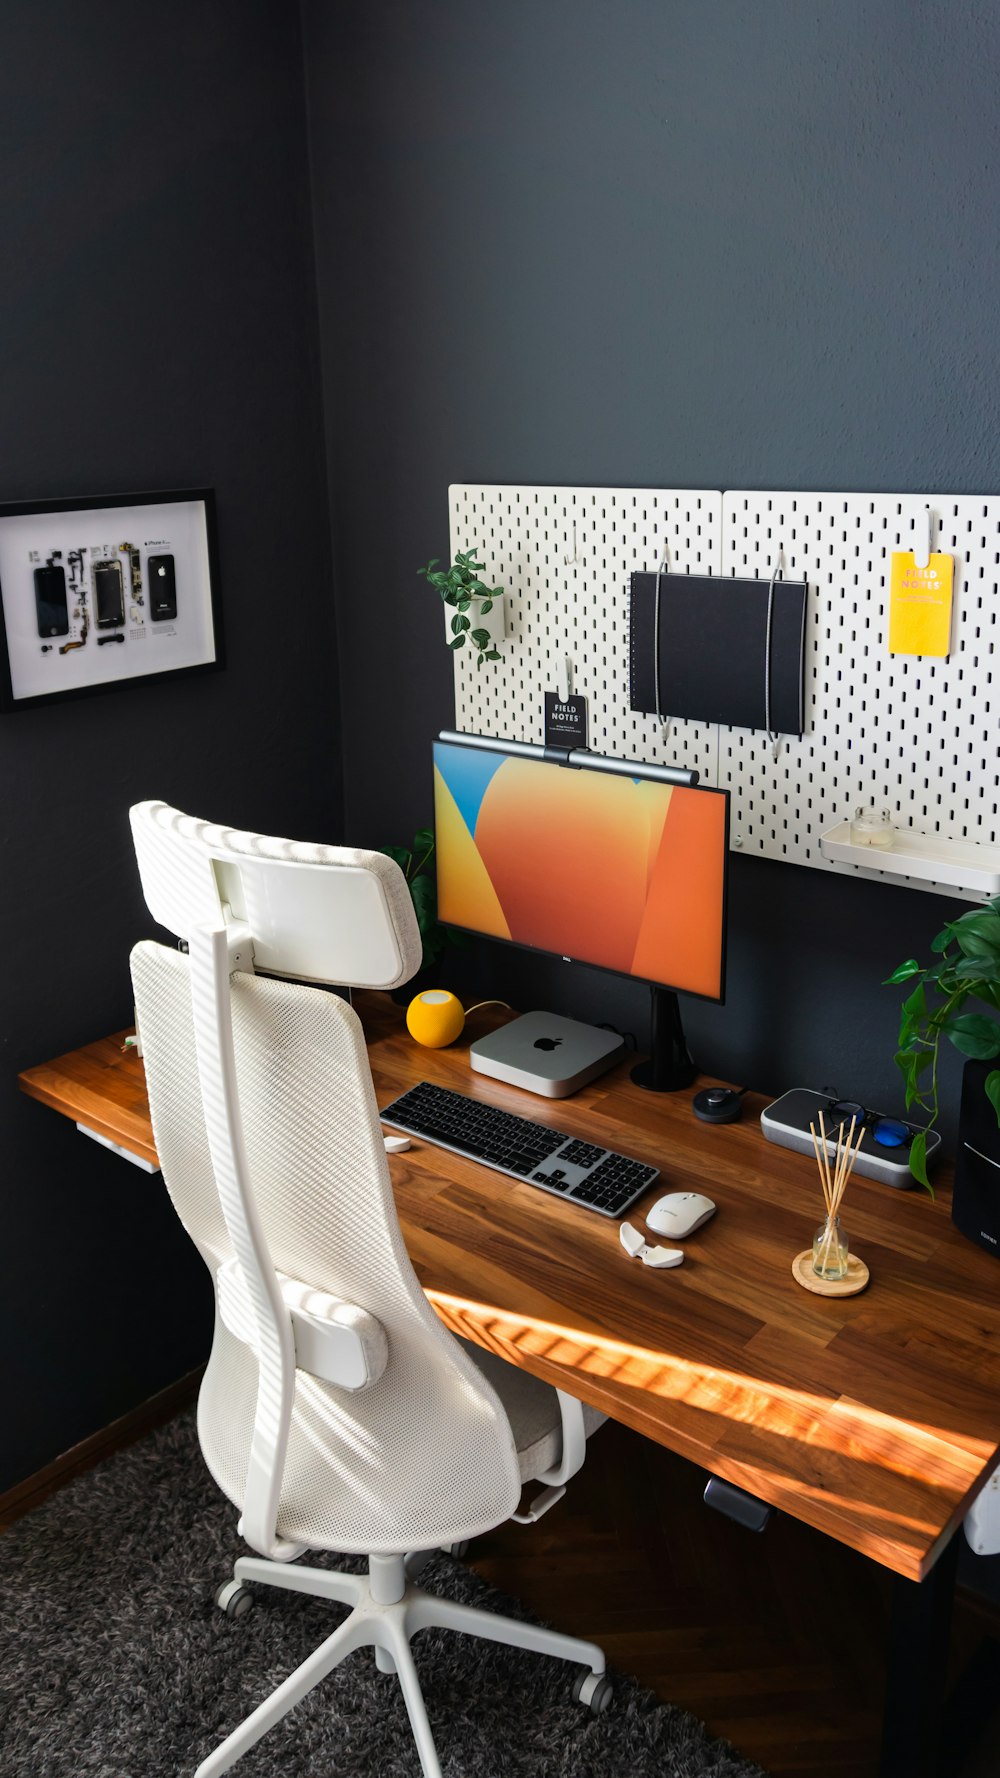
[723,658]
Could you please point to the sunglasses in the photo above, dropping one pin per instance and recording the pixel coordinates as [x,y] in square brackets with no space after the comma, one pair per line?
[885,1132]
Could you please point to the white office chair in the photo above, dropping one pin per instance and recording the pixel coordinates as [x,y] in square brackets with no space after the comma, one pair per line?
[336,1411]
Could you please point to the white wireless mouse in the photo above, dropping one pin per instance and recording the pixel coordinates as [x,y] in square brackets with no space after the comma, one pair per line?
[679,1214]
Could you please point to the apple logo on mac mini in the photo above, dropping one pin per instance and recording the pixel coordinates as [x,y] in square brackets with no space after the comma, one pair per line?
[546,1043]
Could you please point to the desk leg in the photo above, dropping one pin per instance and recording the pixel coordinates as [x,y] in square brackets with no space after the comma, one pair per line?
[917,1671]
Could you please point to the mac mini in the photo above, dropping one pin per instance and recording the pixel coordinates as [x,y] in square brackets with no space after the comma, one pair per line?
[546,1054]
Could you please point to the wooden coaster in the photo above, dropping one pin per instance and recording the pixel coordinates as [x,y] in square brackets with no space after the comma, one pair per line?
[857,1276]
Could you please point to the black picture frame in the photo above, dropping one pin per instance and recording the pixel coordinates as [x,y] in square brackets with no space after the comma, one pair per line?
[206,638]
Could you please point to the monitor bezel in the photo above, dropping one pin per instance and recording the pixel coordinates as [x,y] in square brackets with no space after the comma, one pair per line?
[606,968]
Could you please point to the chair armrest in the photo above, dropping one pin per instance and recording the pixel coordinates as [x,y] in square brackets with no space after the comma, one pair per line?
[574,1442]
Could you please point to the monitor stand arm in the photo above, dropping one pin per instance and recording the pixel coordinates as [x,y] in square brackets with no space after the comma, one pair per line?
[669,1066]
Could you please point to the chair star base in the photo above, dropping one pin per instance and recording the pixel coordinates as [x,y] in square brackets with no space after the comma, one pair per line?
[386,1613]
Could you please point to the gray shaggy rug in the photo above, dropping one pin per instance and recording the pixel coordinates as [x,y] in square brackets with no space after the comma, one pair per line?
[114,1662]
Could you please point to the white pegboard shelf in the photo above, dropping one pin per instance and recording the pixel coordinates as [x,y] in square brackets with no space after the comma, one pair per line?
[909,734]
[959,864]
[906,733]
[565,556]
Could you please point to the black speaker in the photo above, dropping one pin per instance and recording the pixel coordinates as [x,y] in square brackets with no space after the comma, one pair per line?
[975,1207]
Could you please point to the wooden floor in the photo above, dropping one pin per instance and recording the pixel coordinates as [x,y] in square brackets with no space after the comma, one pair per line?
[776,1641]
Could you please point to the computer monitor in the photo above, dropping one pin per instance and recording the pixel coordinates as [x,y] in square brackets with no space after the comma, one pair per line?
[601,863]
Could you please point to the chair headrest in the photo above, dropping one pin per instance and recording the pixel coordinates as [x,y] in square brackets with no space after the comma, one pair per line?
[327,914]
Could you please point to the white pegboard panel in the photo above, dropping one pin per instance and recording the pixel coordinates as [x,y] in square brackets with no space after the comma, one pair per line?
[914,735]
[564,556]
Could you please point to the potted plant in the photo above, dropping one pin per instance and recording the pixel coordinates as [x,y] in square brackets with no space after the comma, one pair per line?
[463,592]
[967,967]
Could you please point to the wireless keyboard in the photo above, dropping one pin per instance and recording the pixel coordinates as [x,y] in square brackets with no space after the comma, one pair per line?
[581,1172]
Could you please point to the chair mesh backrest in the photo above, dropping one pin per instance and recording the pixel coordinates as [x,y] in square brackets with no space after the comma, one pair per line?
[425,1455]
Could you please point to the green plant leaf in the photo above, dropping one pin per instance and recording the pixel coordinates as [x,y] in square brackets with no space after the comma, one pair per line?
[399,855]
[985,920]
[942,940]
[983,967]
[458,642]
[480,638]
[991,1086]
[492,654]
[905,1063]
[433,941]
[487,605]
[918,1160]
[978,934]
[423,839]
[976,945]
[975,1035]
[915,1006]
[902,972]
[424,896]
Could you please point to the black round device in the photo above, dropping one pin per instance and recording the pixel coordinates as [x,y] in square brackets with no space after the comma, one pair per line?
[718,1105]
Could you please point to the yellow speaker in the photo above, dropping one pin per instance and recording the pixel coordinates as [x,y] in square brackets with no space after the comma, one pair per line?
[435,1018]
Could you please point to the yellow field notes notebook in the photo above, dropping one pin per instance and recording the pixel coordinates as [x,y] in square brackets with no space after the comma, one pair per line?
[920,605]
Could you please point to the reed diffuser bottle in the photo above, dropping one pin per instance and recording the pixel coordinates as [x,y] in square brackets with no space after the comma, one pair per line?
[831,1251]
[830,1248]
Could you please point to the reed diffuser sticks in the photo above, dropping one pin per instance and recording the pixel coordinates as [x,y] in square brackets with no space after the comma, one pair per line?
[833,1185]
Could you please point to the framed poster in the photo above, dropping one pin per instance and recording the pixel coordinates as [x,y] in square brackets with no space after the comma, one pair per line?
[99,592]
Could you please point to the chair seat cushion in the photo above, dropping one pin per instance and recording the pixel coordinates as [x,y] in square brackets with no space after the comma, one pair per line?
[532,1407]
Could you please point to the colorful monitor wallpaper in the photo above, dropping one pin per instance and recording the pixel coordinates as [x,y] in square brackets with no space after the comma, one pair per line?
[621,872]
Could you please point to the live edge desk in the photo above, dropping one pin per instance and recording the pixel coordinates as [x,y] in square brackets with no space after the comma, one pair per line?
[875,1419]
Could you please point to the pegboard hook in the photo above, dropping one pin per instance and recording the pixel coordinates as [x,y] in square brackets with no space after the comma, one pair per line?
[922,536]
[565,680]
[772,734]
[570,560]
[664,721]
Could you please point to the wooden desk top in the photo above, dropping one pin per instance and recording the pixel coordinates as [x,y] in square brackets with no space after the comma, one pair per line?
[874,1418]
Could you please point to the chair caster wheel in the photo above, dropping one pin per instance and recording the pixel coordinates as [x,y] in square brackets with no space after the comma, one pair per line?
[234,1598]
[594,1691]
[459,1549]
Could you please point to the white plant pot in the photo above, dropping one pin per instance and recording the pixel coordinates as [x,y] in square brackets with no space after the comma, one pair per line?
[495,622]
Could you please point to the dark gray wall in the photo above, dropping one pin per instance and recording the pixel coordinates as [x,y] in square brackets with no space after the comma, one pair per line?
[698,243]
[704,243]
[157,329]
